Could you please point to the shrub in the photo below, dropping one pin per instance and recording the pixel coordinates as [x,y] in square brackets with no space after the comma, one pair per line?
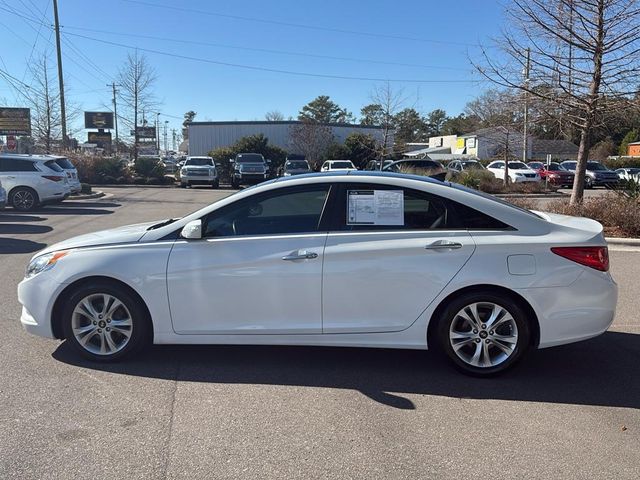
[622,162]
[96,170]
[149,167]
[619,215]
[85,188]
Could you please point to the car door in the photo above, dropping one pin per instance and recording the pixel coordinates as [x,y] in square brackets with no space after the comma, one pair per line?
[380,278]
[257,269]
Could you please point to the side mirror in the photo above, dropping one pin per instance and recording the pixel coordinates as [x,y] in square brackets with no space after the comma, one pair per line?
[192,230]
[231,160]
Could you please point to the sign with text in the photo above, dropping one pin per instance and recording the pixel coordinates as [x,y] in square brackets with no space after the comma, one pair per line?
[101,139]
[146,132]
[15,121]
[98,120]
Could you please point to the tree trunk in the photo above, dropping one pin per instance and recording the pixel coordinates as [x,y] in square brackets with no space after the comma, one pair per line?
[577,193]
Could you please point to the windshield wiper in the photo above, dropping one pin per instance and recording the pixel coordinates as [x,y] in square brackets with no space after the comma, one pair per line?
[162,224]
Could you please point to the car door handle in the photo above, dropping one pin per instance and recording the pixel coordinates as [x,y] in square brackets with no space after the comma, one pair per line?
[301,255]
[443,245]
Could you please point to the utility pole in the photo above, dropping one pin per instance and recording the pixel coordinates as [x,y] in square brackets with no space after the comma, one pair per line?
[525,139]
[63,114]
[158,132]
[165,135]
[115,111]
[173,143]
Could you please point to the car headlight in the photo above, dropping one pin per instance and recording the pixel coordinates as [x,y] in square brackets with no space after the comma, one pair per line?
[518,174]
[286,174]
[183,171]
[44,262]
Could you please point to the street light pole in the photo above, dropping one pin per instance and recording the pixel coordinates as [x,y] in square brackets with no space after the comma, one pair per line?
[115,112]
[158,132]
[165,134]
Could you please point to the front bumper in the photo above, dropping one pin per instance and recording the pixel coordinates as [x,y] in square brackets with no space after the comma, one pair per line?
[198,179]
[37,296]
[525,179]
[250,177]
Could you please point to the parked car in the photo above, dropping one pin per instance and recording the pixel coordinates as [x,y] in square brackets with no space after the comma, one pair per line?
[3,197]
[32,180]
[72,173]
[553,173]
[374,165]
[295,167]
[248,168]
[629,174]
[169,164]
[337,165]
[597,175]
[518,172]
[482,279]
[199,171]
[464,165]
[425,167]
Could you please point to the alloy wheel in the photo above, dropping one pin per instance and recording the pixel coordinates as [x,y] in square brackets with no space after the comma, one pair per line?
[23,200]
[483,334]
[101,324]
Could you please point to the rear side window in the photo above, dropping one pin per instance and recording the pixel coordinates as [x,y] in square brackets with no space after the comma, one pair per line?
[419,211]
[51,164]
[65,163]
[17,165]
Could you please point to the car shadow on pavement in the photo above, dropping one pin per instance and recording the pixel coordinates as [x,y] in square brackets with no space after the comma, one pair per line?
[600,372]
[80,204]
[10,246]
[58,210]
[20,228]
[11,218]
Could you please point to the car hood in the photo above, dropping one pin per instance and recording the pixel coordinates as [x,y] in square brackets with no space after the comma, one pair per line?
[126,234]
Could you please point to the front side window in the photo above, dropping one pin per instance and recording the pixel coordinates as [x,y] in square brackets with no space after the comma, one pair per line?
[285,211]
[17,165]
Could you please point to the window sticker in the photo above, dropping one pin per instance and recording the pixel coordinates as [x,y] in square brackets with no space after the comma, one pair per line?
[375,207]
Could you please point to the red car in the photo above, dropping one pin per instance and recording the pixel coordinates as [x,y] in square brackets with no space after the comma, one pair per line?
[554,173]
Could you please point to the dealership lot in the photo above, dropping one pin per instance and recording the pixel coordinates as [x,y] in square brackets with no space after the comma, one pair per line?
[244,412]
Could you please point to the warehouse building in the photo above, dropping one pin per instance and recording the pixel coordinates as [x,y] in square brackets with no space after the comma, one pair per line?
[207,136]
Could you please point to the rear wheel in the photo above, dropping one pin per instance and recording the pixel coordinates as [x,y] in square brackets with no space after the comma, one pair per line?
[215,184]
[104,322]
[483,333]
[23,199]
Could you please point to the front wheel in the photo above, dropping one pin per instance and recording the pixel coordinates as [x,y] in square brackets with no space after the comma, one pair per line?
[483,333]
[105,322]
[215,184]
[588,183]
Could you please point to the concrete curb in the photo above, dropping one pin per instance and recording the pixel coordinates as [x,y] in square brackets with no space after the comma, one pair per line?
[98,194]
[628,242]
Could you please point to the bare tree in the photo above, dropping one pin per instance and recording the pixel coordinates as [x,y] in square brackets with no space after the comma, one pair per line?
[584,61]
[44,101]
[390,102]
[274,116]
[312,140]
[137,78]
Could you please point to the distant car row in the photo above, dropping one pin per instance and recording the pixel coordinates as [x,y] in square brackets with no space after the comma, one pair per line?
[28,181]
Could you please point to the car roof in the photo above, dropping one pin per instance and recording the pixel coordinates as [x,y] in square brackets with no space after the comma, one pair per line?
[357,174]
[33,158]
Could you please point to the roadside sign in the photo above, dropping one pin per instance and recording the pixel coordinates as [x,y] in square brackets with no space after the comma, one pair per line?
[98,120]
[101,139]
[146,132]
[12,144]
[15,121]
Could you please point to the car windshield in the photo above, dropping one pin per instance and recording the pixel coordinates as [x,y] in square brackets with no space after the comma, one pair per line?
[554,167]
[472,165]
[569,165]
[536,165]
[65,163]
[518,166]
[250,158]
[634,171]
[199,162]
[297,165]
[341,165]
[595,166]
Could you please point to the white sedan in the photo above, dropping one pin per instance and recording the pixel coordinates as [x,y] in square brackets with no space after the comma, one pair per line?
[337,165]
[629,174]
[518,172]
[358,259]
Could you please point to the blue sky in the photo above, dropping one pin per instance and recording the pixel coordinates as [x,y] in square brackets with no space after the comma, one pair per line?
[418,34]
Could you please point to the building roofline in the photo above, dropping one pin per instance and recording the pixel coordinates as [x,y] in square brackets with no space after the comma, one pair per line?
[286,122]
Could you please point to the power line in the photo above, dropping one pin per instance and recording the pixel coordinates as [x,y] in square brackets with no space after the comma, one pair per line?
[265,69]
[300,25]
[262,50]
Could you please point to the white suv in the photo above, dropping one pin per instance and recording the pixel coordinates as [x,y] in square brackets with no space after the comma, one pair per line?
[71,171]
[199,171]
[32,180]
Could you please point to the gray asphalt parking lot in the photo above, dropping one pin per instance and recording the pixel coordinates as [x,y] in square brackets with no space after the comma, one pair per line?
[262,412]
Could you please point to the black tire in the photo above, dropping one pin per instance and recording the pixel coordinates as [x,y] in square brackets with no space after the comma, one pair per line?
[234,184]
[140,330]
[24,199]
[450,315]
[183,185]
[215,184]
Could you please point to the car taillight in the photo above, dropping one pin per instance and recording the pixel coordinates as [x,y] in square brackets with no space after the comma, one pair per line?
[53,178]
[594,257]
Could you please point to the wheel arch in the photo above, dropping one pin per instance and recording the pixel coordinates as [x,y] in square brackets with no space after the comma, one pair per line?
[534,323]
[17,187]
[59,304]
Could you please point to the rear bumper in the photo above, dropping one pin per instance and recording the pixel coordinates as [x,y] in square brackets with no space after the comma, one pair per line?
[582,310]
